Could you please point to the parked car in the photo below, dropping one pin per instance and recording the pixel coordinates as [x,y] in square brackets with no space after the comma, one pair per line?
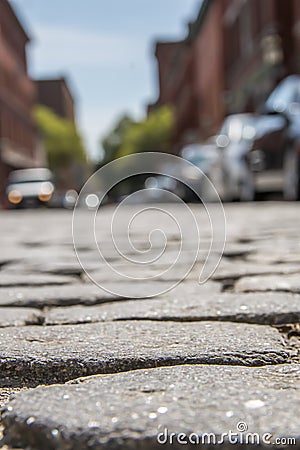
[274,159]
[29,188]
[158,186]
[161,182]
[203,156]
[63,199]
[231,173]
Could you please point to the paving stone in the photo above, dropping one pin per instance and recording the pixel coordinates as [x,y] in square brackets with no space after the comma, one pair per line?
[63,267]
[35,354]
[288,283]
[291,335]
[5,395]
[166,258]
[90,294]
[234,270]
[11,253]
[139,275]
[172,265]
[21,279]
[4,261]
[17,253]
[72,269]
[59,353]
[252,308]
[237,250]
[18,317]
[268,256]
[43,296]
[129,410]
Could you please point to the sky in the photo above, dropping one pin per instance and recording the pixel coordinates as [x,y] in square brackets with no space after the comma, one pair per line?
[105,49]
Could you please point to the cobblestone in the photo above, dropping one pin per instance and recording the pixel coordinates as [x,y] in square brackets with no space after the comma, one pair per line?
[198,306]
[195,359]
[129,410]
[56,354]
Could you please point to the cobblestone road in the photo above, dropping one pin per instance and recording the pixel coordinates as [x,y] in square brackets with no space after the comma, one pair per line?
[211,358]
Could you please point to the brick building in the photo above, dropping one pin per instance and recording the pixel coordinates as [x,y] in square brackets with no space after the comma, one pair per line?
[258,49]
[175,84]
[206,40]
[234,53]
[56,95]
[18,137]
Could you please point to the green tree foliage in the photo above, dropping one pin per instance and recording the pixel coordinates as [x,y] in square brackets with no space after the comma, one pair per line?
[150,135]
[154,133]
[112,142]
[62,141]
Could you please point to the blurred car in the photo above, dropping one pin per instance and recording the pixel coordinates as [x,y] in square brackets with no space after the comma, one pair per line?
[274,159]
[29,188]
[161,182]
[232,177]
[63,199]
[204,157]
[156,190]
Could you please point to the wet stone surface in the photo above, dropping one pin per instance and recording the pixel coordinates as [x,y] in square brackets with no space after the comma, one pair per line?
[188,399]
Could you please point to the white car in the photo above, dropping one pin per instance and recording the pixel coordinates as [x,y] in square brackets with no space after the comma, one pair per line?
[28,188]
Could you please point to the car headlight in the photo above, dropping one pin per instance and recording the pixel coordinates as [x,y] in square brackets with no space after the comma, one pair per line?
[47,188]
[46,191]
[44,197]
[15,197]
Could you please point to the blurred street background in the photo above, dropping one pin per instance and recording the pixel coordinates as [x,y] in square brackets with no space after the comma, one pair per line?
[215,82]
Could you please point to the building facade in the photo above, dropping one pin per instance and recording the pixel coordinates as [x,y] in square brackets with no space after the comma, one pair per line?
[206,39]
[176,85]
[234,53]
[18,134]
[259,50]
[54,93]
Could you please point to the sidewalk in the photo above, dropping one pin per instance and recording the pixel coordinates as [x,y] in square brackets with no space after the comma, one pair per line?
[89,369]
